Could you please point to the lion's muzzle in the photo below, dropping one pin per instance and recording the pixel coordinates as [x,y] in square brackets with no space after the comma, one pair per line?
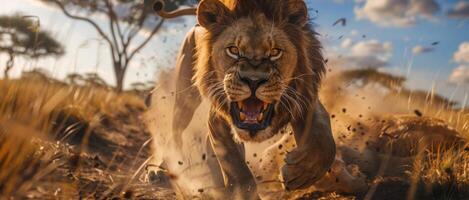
[252,114]
[253,88]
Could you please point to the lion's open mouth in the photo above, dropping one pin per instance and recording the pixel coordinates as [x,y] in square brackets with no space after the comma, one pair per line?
[252,114]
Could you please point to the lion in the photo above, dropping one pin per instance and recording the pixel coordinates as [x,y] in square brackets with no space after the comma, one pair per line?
[259,66]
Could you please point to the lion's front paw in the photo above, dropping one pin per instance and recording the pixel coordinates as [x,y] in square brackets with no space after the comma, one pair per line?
[157,177]
[302,169]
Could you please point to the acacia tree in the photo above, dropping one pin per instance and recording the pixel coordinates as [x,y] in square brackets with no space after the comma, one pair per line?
[366,76]
[125,19]
[395,84]
[21,36]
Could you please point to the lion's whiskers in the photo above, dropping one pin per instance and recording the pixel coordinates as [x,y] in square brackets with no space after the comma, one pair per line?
[288,108]
[310,88]
[221,101]
[299,96]
[297,77]
[217,93]
[290,100]
[287,102]
[291,95]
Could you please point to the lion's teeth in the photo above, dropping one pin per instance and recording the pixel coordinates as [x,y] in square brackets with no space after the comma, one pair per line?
[260,117]
[242,116]
[240,104]
[265,106]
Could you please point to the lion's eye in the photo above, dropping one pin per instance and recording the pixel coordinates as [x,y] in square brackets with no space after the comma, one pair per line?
[275,54]
[233,52]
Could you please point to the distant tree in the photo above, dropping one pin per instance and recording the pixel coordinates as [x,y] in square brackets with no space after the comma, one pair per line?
[74,79]
[364,77]
[40,75]
[138,87]
[125,19]
[93,79]
[395,84]
[21,36]
[428,97]
[87,79]
[142,86]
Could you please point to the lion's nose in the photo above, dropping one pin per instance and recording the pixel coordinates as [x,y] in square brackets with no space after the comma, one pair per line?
[253,84]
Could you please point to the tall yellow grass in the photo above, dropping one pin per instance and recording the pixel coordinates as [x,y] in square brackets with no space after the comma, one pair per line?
[29,110]
[388,97]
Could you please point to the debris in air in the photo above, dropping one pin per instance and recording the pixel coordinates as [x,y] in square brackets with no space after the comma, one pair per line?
[418,113]
[342,21]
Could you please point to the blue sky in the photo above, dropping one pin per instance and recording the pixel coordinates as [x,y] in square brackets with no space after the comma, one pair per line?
[393,31]
[449,32]
[86,52]
[423,70]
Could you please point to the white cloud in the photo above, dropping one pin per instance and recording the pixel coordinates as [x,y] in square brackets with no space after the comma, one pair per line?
[460,10]
[347,43]
[364,54]
[460,75]
[421,49]
[462,55]
[400,13]
[360,62]
[383,51]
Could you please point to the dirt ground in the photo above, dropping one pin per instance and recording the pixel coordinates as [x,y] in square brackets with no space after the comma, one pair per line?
[104,156]
[113,166]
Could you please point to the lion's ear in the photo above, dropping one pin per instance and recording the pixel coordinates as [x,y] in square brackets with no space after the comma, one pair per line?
[212,12]
[297,12]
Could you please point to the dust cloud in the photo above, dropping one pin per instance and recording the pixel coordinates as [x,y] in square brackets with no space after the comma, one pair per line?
[361,111]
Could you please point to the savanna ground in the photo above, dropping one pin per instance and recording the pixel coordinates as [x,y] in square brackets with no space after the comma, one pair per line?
[67,140]
[62,141]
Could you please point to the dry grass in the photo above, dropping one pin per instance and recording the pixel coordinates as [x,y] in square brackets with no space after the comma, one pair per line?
[37,101]
[37,115]
[438,171]
[16,151]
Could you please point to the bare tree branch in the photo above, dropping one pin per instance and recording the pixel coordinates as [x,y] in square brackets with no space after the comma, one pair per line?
[132,33]
[112,16]
[153,32]
[91,22]
[122,29]
[21,38]
[121,34]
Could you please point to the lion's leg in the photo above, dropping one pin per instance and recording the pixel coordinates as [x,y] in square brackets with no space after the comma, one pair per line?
[186,104]
[213,163]
[236,174]
[342,178]
[187,96]
[179,93]
[315,150]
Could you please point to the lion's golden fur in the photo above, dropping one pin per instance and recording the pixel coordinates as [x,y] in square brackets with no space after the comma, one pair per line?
[290,88]
[301,70]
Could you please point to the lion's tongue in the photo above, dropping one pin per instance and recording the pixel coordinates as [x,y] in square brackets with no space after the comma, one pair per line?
[252,108]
